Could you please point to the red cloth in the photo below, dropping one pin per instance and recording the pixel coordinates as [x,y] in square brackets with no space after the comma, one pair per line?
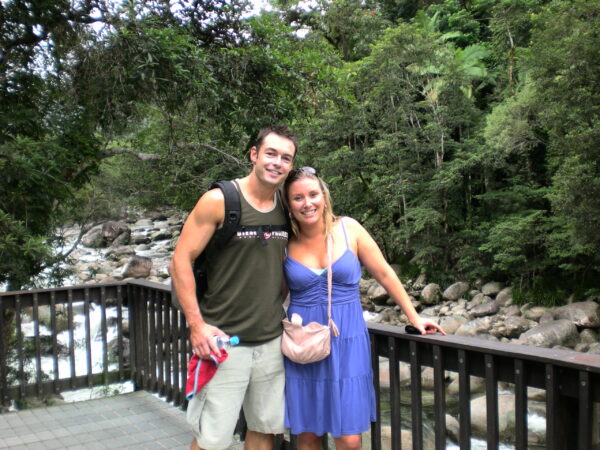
[200,372]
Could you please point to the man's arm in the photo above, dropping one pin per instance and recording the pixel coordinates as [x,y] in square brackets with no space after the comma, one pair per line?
[197,231]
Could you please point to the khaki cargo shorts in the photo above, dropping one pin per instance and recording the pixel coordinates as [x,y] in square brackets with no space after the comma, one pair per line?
[251,377]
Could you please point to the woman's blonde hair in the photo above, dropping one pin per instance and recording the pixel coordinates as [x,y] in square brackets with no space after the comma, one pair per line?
[309,172]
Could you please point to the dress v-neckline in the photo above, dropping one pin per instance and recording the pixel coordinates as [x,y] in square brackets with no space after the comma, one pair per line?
[311,270]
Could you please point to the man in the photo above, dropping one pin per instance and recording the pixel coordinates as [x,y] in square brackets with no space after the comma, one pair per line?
[243,298]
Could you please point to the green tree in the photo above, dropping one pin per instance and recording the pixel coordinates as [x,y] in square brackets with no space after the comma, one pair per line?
[563,62]
[397,144]
[540,191]
[48,147]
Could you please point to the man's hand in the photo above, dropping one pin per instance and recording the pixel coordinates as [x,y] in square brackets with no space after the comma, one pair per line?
[201,339]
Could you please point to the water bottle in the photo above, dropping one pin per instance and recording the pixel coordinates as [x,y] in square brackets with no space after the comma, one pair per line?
[226,341]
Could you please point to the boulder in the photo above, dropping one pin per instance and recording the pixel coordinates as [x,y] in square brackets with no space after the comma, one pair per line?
[138,267]
[515,326]
[486,337]
[558,332]
[506,416]
[123,238]
[161,235]
[512,310]
[93,238]
[159,215]
[116,253]
[138,239]
[431,294]
[491,288]
[365,285]
[478,299]
[485,309]
[405,439]
[432,311]
[176,220]
[378,294]
[546,317]
[428,378]
[536,394]
[582,314]
[111,230]
[477,386]
[588,336]
[452,428]
[456,290]
[384,373]
[506,419]
[474,327]
[504,297]
[533,313]
[452,323]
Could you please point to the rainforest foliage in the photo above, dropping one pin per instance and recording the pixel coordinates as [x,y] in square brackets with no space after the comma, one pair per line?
[462,133]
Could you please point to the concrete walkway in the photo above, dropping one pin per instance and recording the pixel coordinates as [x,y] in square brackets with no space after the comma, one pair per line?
[138,420]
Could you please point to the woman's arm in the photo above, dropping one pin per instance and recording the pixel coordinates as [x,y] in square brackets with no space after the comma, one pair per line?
[372,259]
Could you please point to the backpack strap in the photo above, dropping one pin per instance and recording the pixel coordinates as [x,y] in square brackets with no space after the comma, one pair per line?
[231,221]
[232,216]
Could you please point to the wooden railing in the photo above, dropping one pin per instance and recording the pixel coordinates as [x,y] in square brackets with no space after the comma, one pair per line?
[156,337]
[159,351]
[571,381]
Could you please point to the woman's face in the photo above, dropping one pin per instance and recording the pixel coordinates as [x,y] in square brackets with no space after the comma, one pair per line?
[306,201]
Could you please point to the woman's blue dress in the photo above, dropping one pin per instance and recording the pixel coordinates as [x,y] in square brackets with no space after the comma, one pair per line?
[334,395]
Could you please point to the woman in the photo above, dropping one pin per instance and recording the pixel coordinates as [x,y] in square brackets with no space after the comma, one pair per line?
[335,395]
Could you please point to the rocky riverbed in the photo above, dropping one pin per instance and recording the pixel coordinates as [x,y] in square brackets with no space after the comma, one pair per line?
[142,248]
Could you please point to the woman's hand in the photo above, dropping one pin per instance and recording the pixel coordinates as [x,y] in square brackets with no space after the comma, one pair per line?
[427,326]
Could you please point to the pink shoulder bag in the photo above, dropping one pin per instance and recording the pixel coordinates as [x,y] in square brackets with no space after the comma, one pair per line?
[312,342]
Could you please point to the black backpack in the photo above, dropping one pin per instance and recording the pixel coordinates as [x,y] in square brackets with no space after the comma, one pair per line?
[231,225]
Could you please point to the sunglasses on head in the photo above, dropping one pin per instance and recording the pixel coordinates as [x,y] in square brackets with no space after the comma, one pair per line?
[306,170]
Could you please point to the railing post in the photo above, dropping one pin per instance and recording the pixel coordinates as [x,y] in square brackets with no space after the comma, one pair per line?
[416,396]
[584,435]
[491,400]
[439,394]
[520,405]
[376,426]
[185,352]
[596,426]
[120,333]
[5,327]
[20,355]
[394,371]
[561,414]
[464,400]
[134,338]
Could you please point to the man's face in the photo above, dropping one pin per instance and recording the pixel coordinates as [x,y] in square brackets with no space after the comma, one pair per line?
[274,159]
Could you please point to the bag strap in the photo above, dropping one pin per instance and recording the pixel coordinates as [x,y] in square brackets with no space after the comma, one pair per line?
[232,215]
[332,325]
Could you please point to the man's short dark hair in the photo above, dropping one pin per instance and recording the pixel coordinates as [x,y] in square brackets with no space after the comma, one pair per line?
[280,130]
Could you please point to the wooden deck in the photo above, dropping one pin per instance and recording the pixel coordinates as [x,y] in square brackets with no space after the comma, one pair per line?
[137,420]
